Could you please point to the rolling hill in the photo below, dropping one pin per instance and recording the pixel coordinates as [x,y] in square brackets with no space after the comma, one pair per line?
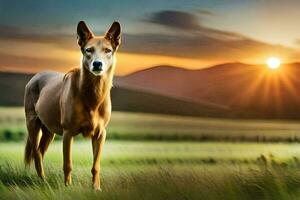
[12,91]
[250,91]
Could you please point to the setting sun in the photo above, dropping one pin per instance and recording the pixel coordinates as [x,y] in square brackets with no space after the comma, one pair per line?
[273,62]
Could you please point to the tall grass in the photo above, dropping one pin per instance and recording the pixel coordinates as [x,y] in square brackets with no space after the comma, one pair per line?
[159,170]
[156,183]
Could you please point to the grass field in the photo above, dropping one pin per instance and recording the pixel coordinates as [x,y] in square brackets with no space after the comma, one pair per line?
[159,170]
[161,157]
[140,126]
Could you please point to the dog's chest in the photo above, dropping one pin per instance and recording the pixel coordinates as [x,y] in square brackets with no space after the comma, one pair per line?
[89,123]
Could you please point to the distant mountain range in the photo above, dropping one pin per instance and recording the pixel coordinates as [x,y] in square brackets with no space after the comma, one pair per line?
[246,91]
[233,90]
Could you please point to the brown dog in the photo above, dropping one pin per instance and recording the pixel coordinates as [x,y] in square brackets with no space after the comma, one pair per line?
[77,102]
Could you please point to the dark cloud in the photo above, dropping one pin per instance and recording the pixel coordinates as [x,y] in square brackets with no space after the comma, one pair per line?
[188,22]
[175,19]
[198,46]
[17,34]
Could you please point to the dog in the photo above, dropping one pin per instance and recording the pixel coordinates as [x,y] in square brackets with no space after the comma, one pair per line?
[77,102]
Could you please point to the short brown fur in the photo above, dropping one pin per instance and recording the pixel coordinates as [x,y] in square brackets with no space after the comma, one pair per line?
[72,103]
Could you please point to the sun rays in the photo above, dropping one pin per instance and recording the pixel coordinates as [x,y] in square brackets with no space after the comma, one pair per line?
[270,87]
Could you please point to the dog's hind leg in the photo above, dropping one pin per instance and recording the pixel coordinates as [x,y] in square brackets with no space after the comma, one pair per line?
[47,138]
[34,125]
[32,147]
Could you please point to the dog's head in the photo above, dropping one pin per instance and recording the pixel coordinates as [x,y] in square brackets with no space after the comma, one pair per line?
[98,51]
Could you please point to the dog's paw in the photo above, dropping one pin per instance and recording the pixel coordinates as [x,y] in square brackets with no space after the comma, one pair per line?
[97,188]
[68,181]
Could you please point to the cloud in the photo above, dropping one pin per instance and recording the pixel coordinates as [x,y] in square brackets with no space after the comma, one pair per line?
[18,34]
[190,23]
[200,42]
[200,47]
[31,64]
[297,41]
[175,19]
[205,12]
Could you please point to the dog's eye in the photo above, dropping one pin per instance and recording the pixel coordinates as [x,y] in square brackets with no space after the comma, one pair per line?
[107,50]
[89,50]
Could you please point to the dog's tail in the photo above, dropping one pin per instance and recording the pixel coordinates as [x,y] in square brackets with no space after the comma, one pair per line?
[28,157]
[32,122]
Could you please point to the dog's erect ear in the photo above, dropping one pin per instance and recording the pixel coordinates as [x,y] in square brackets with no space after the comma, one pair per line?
[83,33]
[114,34]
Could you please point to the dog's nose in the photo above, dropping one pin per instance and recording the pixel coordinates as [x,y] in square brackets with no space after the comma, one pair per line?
[97,66]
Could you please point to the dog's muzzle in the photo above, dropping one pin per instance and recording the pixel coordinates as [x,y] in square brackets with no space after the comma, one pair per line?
[97,66]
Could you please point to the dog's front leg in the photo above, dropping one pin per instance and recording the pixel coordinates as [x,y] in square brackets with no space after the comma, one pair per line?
[67,151]
[98,143]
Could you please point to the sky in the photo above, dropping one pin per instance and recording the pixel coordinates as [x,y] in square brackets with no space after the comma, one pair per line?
[41,35]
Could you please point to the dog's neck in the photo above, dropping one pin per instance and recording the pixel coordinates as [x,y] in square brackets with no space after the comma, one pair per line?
[94,89]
